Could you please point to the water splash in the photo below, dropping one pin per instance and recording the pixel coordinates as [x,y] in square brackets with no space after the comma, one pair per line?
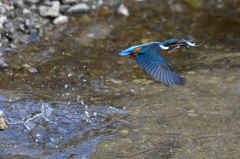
[45,114]
[58,128]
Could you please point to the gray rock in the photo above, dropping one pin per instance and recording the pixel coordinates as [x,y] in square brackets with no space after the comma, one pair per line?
[2,9]
[12,46]
[18,4]
[69,1]
[3,19]
[26,11]
[24,38]
[81,7]
[8,25]
[64,8]
[60,20]
[3,64]
[50,11]
[3,123]
[32,1]
[22,27]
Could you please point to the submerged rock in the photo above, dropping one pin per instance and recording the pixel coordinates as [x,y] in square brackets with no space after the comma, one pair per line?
[3,123]
[32,70]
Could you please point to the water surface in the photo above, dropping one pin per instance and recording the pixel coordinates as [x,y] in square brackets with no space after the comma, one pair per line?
[87,102]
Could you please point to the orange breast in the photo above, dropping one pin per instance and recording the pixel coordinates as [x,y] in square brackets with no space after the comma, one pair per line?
[164,52]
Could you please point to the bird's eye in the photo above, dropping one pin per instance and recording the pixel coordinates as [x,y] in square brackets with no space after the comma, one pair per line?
[163,47]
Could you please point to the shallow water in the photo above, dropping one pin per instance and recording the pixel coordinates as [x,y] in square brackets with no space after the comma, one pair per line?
[87,102]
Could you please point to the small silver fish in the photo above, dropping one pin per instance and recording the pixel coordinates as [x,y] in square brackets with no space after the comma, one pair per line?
[192,44]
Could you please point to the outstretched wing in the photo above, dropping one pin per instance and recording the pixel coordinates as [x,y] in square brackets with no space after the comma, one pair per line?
[157,66]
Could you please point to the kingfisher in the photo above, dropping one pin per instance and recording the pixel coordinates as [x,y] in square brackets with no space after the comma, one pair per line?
[151,57]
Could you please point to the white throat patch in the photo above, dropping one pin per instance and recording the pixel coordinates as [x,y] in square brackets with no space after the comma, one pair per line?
[163,47]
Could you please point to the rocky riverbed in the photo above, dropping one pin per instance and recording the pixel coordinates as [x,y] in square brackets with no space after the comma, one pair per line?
[66,93]
[23,21]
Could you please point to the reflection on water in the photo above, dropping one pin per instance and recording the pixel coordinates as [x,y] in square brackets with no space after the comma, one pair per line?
[122,111]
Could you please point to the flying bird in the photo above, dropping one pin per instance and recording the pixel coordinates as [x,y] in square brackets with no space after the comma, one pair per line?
[151,57]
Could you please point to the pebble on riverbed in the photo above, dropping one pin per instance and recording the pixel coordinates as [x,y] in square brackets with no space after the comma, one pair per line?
[60,20]
[3,124]
[50,11]
[19,20]
[123,10]
[81,7]
[32,70]
[3,64]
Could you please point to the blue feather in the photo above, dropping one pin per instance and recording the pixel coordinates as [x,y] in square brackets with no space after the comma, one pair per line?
[129,50]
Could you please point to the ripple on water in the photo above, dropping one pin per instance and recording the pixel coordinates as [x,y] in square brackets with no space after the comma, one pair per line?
[145,145]
[57,129]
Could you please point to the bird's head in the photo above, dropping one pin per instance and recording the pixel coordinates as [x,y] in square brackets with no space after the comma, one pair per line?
[175,43]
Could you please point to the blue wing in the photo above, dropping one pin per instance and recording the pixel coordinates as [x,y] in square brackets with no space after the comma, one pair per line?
[157,66]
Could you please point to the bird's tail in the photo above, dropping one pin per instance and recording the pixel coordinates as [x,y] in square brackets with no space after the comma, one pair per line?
[129,50]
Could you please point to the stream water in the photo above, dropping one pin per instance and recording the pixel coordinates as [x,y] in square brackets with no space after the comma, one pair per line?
[85,101]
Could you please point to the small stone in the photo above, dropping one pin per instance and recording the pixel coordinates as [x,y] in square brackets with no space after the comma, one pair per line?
[120,62]
[12,46]
[26,65]
[115,81]
[142,81]
[192,114]
[191,72]
[26,11]
[64,8]
[136,66]
[3,19]
[81,7]
[8,25]
[198,98]
[32,1]
[32,70]
[124,132]
[60,20]
[18,4]
[191,111]
[52,11]
[229,79]
[69,1]
[123,10]
[3,64]
[16,67]
[146,40]
[3,123]
[2,9]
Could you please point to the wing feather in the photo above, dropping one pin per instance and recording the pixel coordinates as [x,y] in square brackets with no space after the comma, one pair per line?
[157,66]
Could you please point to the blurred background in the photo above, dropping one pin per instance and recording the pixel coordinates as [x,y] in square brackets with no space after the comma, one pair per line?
[66,92]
